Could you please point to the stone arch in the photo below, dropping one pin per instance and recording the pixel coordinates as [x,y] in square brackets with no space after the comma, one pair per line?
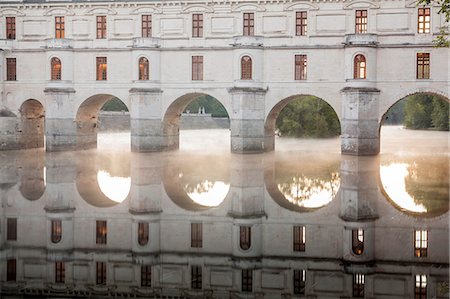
[31,124]
[87,119]
[271,118]
[171,119]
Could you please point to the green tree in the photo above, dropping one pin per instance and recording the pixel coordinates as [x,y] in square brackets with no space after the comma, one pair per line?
[395,115]
[417,112]
[211,105]
[439,115]
[114,104]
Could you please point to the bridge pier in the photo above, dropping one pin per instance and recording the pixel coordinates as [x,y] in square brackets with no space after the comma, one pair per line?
[359,125]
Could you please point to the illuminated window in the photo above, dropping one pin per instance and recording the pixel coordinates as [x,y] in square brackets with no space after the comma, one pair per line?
[11,270]
[358,285]
[11,229]
[249,23]
[10,28]
[144,69]
[299,281]
[246,68]
[300,67]
[143,233]
[423,21]
[197,67]
[423,66]
[359,70]
[101,27]
[358,241]
[361,21]
[420,290]
[299,238]
[196,235]
[101,273]
[420,243]
[146,26]
[60,272]
[59,27]
[146,276]
[11,74]
[301,23]
[101,69]
[196,277]
[101,232]
[247,280]
[56,231]
[245,237]
[55,69]
[197,25]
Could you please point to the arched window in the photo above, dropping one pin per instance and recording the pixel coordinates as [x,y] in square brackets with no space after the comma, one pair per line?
[245,237]
[56,68]
[246,68]
[143,69]
[143,233]
[358,241]
[359,67]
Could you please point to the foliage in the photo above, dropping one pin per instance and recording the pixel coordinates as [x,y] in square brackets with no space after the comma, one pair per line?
[440,115]
[211,105]
[442,39]
[426,111]
[308,116]
[395,115]
[114,104]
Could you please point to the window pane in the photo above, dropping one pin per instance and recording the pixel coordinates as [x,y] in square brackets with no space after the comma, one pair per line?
[11,229]
[196,235]
[101,232]
[245,237]
[146,26]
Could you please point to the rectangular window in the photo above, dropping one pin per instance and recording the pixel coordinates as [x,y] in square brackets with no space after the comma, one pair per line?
[196,277]
[146,276]
[56,232]
[60,272]
[102,73]
[143,233]
[423,21]
[301,23]
[423,66]
[59,27]
[247,280]
[361,22]
[101,232]
[101,27]
[420,290]
[249,23]
[196,235]
[101,273]
[197,67]
[10,28]
[146,26]
[420,243]
[197,25]
[358,285]
[299,281]
[11,229]
[300,67]
[299,238]
[11,270]
[11,74]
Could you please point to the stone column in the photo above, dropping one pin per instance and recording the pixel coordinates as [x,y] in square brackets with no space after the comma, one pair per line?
[247,119]
[145,117]
[360,128]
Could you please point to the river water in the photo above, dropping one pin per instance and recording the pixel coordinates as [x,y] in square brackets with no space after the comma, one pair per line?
[201,222]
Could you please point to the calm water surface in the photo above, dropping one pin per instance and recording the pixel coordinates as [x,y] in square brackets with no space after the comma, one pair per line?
[204,223]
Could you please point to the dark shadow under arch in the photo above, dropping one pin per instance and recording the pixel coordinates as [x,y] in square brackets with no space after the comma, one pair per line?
[31,124]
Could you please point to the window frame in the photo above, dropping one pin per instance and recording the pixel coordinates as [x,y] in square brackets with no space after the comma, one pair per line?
[60,272]
[247,280]
[11,229]
[361,21]
[60,27]
[101,68]
[55,72]
[197,25]
[146,275]
[245,237]
[101,232]
[299,281]
[300,67]
[248,26]
[301,23]
[10,27]
[359,282]
[196,235]
[359,65]
[196,277]
[299,238]
[11,69]
[11,270]
[101,27]
[143,233]
[420,286]
[425,21]
[421,243]
[358,241]
[246,68]
[423,65]
[144,69]
[197,68]
[146,26]
[101,273]
[56,230]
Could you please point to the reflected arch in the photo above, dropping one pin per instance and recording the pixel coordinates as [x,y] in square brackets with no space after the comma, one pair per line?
[33,175]
[272,116]
[32,124]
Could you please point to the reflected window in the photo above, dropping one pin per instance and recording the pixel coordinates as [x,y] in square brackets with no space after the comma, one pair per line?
[11,229]
[146,276]
[144,69]
[59,27]
[249,24]
[420,243]
[359,67]
[361,22]
[420,289]
[196,277]
[196,235]
[101,232]
[10,28]
[301,23]
[423,21]
[299,238]
[11,72]
[60,272]
[143,234]
[358,285]
[247,280]
[56,232]
[423,66]
[101,273]
[11,270]
[55,68]
[245,237]
[246,68]
[299,281]
[101,27]
[358,241]
[146,26]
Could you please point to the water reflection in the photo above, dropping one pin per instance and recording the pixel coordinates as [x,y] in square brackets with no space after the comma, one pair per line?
[114,187]
[207,193]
